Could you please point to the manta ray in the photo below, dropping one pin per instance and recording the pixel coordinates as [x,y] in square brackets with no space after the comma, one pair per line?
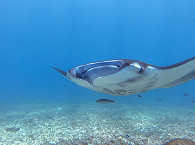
[127,77]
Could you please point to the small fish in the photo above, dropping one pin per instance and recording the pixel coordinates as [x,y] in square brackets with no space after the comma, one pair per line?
[186,94]
[193,101]
[140,96]
[159,99]
[12,129]
[105,101]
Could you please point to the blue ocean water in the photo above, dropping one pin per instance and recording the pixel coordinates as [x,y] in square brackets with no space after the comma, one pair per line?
[36,35]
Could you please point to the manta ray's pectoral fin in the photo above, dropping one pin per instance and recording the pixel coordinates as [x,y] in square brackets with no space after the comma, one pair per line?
[183,79]
[176,74]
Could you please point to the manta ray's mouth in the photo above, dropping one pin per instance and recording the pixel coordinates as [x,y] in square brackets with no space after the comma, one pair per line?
[95,72]
[90,72]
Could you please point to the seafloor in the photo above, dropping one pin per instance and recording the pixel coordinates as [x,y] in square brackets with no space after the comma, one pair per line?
[96,124]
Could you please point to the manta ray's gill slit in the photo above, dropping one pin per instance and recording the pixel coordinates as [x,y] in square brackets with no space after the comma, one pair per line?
[131,80]
[151,83]
[118,91]
[124,91]
[108,91]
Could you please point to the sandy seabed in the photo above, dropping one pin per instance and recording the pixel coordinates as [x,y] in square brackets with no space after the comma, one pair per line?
[97,124]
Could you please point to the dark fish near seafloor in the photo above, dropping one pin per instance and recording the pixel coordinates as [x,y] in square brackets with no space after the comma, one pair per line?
[105,101]
[140,96]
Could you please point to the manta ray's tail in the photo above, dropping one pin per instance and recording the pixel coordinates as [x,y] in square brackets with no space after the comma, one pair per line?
[177,73]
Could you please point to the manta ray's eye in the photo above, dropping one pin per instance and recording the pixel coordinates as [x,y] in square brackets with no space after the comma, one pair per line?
[140,70]
[118,66]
